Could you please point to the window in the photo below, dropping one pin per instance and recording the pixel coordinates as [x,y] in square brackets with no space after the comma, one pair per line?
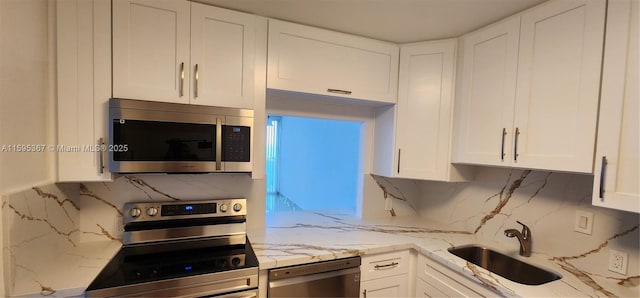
[312,164]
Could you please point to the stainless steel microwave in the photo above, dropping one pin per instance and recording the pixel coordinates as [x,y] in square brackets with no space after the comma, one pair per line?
[156,137]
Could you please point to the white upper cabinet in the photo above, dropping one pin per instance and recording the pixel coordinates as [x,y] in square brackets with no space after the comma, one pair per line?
[547,118]
[151,50]
[222,57]
[312,60]
[558,85]
[617,152]
[423,116]
[487,97]
[83,88]
[184,52]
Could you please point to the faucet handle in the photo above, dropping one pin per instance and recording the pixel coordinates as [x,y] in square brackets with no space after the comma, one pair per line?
[525,230]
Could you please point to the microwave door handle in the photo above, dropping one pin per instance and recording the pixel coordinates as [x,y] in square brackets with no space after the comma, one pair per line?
[218,144]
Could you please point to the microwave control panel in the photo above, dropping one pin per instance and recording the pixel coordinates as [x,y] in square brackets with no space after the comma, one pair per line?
[236,142]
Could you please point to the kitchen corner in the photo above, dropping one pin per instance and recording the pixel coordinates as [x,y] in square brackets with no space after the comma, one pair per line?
[296,240]
[451,215]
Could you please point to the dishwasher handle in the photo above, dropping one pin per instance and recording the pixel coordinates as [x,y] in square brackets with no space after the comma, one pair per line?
[312,277]
[314,268]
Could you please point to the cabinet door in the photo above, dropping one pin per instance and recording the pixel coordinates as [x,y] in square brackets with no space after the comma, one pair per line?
[484,115]
[318,61]
[394,286]
[84,88]
[436,280]
[617,153]
[425,104]
[558,85]
[425,290]
[222,57]
[151,50]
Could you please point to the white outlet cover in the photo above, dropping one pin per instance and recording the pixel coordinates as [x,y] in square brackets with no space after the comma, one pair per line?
[618,261]
[583,222]
[119,226]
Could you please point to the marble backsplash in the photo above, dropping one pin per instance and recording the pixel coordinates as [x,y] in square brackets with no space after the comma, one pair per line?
[64,222]
[546,202]
[42,232]
[101,203]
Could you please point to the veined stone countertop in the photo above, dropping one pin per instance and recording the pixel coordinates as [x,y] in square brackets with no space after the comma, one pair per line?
[305,237]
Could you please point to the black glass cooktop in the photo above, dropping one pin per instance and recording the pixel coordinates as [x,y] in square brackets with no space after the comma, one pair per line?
[133,265]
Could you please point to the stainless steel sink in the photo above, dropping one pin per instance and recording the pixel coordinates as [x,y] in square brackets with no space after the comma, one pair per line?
[503,265]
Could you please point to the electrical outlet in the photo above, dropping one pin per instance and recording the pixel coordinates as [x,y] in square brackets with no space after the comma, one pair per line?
[119,226]
[618,261]
[583,222]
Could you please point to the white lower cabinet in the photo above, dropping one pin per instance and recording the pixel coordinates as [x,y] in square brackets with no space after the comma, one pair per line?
[385,275]
[393,286]
[425,289]
[436,280]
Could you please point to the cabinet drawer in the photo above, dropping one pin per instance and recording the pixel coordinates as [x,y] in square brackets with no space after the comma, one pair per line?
[384,265]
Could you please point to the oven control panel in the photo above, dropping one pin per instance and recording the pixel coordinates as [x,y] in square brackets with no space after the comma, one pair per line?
[154,211]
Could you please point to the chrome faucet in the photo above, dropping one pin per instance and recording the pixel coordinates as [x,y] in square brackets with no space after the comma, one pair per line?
[524,237]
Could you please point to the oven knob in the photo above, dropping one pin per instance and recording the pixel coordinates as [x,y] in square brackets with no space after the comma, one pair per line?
[237,207]
[152,211]
[224,208]
[135,212]
[235,262]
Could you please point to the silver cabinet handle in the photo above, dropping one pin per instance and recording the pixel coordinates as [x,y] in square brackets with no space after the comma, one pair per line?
[515,146]
[347,92]
[387,266]
[218,144]
[181,79]
[399,151]
[603,169]
[504,134]
[101,154]
[195,86]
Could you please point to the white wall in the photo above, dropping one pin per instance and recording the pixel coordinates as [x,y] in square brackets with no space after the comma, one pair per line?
[24,92]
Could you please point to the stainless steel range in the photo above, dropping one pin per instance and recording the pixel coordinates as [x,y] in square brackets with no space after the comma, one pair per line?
[182,249]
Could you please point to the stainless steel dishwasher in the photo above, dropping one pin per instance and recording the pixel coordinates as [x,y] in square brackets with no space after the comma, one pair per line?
[336,278]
